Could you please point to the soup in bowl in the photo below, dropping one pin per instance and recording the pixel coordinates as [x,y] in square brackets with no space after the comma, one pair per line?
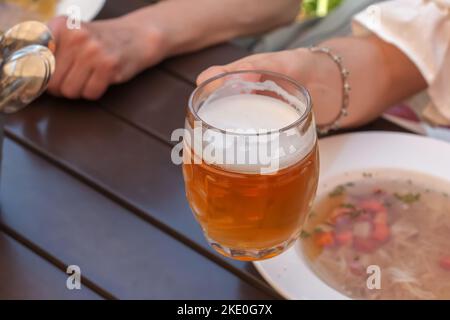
[380,224]
[382,235]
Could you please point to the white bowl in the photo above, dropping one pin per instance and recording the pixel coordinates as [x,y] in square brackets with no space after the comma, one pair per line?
[345,156]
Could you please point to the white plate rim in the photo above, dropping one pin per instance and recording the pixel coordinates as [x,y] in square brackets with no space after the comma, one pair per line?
[271,279]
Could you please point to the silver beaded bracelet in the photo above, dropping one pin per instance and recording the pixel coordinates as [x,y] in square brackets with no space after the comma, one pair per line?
[346,88]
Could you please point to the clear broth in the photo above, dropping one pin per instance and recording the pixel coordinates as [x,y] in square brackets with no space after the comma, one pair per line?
[400,225]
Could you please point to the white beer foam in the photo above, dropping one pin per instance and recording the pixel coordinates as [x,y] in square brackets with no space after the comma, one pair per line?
[249,113]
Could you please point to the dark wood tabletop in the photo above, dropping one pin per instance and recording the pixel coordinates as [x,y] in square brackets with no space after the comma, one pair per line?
[92,184]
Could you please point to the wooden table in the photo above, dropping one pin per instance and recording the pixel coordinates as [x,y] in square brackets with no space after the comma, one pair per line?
[92,184]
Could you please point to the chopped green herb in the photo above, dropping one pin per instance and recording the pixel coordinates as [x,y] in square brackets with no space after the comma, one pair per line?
[338,191]
[318,230]
[348,206]
[304,234]
[407,198]
[350,184]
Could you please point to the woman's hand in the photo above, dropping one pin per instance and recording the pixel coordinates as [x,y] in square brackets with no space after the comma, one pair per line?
[380,76]
[90,59]
[317,73]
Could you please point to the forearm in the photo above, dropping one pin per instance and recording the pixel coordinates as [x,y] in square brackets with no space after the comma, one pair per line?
[188,25]
[380,76]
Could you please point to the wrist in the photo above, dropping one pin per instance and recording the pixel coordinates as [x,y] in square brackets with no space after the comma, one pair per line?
[150,34]
[322,77]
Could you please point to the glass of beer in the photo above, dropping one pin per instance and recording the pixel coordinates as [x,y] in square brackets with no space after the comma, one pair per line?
[250,162]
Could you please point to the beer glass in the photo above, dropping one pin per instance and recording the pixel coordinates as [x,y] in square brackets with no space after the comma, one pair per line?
[250,162]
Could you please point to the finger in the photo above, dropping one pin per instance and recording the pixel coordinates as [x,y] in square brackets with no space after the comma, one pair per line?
[96,86]
[64,61]
[244,66]
[76,79]
[105,73]
[209,73]
[56,25]
[226,71]
[253,62]
[217,70]
[80,72]
[67,48]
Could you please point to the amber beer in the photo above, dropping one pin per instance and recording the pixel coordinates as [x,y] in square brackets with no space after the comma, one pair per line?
[247,213]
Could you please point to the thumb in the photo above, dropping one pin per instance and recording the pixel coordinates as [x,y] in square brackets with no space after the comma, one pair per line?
[210,73]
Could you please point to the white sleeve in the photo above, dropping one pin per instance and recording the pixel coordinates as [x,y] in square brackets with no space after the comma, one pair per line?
[421,30]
